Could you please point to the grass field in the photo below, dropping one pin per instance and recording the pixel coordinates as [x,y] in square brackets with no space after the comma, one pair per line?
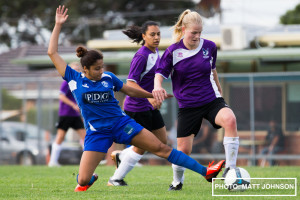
[147,182]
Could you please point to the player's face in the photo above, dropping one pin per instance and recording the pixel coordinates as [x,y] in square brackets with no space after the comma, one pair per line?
[192,35]
[95,71]
[152,37]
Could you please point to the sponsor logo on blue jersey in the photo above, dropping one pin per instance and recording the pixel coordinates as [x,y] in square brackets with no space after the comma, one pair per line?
[95,97]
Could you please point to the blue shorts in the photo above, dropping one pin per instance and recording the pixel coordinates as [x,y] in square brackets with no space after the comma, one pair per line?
[122,132]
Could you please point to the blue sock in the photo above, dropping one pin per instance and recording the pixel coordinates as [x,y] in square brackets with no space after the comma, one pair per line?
[91,181]
[181,159]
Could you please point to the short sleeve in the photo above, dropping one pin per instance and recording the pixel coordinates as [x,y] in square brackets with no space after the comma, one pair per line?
[117,83]
[137,67]
[71,74]
[165,64]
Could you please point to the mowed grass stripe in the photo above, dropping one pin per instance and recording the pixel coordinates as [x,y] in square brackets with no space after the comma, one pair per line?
[147,182]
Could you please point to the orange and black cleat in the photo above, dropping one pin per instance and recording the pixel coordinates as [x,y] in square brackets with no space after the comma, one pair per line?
[80,188]
[213,170]
[115,156]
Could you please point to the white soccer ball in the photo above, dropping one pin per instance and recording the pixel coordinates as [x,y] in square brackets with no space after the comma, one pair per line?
[237,179]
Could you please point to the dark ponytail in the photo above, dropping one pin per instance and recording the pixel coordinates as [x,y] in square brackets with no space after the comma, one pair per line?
[135,32]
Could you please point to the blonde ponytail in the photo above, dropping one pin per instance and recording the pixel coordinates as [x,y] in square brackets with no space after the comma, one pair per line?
[177,33]
[186,17]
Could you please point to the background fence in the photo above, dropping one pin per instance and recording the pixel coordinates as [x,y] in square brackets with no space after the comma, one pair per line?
[255,98]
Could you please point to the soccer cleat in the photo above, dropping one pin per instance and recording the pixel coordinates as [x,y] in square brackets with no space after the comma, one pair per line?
[116,182]
[213,170]
[80,188]
[115,156]
[177,187]
[225,173]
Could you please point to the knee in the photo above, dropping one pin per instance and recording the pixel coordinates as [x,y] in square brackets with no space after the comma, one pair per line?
[83,180]
[59,138]
[185,149]
[162,150]
[164,140]
[229,122]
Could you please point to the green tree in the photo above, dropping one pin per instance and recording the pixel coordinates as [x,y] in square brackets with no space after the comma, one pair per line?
[291,16]
[9,102]
[31,21]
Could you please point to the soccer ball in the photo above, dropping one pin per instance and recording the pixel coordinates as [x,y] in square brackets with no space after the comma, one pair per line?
[237,179]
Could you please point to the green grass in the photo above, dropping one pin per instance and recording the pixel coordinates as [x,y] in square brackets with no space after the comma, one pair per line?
[147,182]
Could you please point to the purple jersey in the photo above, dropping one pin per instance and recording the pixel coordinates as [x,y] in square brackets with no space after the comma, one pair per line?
[65,109]
[191,73]
[142,72]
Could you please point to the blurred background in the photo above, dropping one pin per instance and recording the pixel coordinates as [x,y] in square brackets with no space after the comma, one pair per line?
[258,65]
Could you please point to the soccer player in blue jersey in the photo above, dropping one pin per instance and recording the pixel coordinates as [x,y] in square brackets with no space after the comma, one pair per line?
[191,63]
[143,111]
[104,120]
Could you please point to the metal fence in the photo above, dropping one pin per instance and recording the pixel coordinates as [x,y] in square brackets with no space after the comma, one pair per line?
[255,98]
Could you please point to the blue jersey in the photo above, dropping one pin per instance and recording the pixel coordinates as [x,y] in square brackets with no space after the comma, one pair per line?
[95,99]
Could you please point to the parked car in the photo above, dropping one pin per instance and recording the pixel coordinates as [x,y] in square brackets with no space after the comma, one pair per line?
[70,154]
[24,144]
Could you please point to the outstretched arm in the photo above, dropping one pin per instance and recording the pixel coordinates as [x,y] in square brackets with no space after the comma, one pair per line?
[60,18]
[153,102]
[134,92]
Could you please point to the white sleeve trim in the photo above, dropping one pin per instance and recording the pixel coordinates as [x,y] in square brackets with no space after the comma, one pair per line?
[131,80]
[162,75]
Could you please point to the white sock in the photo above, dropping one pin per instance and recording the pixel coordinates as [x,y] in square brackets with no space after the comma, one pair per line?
[178,174]
[127,163]
[123,153]
[55,152]
[231,146]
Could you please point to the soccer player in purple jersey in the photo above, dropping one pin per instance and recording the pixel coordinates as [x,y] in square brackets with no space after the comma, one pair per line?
[142,110]
[69,117]
[104,120]
[191,63]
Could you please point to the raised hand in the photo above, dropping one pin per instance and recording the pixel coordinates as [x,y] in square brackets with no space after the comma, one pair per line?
[60,18]
[61,15]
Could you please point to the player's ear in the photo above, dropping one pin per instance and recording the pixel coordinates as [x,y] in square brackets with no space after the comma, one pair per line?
[183,29]
[85,69]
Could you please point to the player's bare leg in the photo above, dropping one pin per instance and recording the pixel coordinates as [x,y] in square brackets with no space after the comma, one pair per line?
[88,164]
[226,119]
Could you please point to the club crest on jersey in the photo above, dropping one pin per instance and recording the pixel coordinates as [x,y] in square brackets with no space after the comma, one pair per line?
[105,84]
[205,53]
